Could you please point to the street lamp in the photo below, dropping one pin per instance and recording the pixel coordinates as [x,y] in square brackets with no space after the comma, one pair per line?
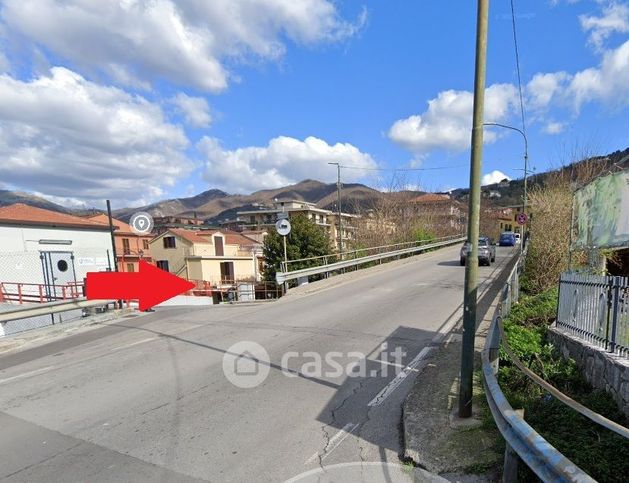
[526,157]
[526,167]
[338,190]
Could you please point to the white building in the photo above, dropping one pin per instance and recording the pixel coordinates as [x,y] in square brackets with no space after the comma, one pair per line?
[42,251]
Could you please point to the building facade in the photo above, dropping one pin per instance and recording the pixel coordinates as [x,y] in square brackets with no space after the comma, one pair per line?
[131,247]
[265,218]
[43,250]
[216,256]
[439,213]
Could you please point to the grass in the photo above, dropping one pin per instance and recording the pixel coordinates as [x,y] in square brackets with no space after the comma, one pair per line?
[598,451]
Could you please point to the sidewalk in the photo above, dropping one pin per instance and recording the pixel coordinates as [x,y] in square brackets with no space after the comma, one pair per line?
[42,335]
[435,438]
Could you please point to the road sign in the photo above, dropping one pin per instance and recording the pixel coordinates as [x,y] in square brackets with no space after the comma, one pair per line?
[283,227]
[282,215]
[521,218]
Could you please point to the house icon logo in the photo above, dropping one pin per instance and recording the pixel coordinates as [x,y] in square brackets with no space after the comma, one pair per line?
[246,364]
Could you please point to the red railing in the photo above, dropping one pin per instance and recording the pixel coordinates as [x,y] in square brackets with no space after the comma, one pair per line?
[39,292]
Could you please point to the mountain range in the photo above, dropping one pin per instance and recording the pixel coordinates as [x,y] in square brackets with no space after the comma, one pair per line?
[215,205]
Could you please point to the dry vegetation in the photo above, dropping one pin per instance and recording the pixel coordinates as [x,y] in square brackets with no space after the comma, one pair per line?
[394,218]
[550,226]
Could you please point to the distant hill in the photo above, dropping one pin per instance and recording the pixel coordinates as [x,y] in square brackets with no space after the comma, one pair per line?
[215,205]
[513,193]
[10,197]
[176,206]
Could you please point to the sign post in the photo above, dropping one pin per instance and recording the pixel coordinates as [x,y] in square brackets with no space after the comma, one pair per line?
[283,228]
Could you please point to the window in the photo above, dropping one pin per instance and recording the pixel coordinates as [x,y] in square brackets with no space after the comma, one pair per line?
[125,246]
[169,242]
[145,244]
[130,267]
[227,272]
[218,246]
[163,264]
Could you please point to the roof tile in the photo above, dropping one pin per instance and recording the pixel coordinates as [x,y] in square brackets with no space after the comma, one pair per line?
[25,214]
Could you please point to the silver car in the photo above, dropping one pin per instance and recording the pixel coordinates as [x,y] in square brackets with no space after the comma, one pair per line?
[486,251]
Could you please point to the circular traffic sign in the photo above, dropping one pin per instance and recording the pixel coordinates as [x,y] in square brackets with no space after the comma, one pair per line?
[521,218]
[282,227]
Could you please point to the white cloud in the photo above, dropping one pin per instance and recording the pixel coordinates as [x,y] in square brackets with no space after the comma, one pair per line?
[553,127]
[188,43]
[614,19]
[447,123]
[67,137]
[494,177]
[609,82]
[195,109]
[283,161]
[543,89]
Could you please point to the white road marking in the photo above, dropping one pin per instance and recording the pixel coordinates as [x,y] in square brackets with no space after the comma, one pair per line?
[437,339]
[399,379]
[134,343]
[27,374]
[334,442]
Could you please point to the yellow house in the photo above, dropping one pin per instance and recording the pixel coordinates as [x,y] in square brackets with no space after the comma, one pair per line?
[507,220]
[215,256]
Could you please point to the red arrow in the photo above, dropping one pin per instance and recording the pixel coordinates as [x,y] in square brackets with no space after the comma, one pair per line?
[150,285]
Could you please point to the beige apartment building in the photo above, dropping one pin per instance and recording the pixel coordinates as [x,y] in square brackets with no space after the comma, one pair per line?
[265,218]
[216,256]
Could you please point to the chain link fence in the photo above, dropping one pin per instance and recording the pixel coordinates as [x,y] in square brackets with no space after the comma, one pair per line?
[33,277]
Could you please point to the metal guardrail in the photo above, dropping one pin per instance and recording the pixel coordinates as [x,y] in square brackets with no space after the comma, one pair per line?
[282,277]
[539,455]
[361,252]
[595,308]
[26,311]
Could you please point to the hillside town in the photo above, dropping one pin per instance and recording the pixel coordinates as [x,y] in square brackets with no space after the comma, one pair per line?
[314,241]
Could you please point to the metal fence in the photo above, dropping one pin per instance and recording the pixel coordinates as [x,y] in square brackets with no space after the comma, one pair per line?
[236,290]
[521,439]
[48,275]
[595,309]
[323,260]
[323,265]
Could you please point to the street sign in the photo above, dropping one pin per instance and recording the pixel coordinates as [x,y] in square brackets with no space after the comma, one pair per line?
[282,227]
[282,215]
[521,218]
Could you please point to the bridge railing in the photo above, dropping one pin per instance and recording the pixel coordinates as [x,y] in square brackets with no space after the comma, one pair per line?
[522,440]
[331,263]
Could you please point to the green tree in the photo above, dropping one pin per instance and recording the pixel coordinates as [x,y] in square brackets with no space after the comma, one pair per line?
[305,240]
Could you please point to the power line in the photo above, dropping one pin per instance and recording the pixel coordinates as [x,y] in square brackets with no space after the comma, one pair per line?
[403,169]
[517,65]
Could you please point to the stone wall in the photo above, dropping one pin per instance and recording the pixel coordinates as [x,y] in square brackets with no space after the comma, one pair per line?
[600,368]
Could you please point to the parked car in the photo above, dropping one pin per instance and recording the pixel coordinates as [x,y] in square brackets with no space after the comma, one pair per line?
[517,238]
[486,251]
[507,239]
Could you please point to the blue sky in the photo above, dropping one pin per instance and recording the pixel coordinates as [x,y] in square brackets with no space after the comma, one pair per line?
[137,101]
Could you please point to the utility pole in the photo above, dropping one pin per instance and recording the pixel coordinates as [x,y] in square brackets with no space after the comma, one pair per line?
[338,190]
[113,242]
[111,234]
[471,266]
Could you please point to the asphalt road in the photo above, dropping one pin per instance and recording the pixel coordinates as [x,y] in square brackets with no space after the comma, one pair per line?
[146,398]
